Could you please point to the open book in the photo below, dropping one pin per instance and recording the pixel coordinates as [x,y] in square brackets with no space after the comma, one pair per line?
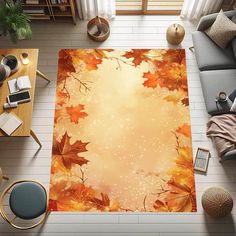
[9,122]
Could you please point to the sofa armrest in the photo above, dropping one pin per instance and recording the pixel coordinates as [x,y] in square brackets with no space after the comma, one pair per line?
[229,155]
[206,21]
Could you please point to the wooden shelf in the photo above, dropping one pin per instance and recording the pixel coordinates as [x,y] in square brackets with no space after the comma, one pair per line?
[52,11]
[62,13]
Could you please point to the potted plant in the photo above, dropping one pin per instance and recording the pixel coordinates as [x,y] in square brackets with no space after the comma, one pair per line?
[13,21]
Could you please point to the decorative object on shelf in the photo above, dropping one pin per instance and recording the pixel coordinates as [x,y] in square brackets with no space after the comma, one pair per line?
[98,29]
[50,9]
[175,34]
[217,202]
[63,8]
[13,21]
[12,62]
[5,71]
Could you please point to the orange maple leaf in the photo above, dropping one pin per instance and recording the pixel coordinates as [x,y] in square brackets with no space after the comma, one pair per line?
[138,55]
[170,72]
[183,171]
[69,152]
[175,98]
[184,130]
[175,55]
[151,81]
[91,58]
[76,113]
[181,198]
[61,97]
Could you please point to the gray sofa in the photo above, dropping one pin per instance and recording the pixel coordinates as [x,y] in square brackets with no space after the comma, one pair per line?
[217,68]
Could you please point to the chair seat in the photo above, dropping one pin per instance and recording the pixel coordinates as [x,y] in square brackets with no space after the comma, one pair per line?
[210,56]
[28,200]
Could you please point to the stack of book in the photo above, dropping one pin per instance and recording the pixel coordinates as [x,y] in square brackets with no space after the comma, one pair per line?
[34,11]
[32,2]
[59,1]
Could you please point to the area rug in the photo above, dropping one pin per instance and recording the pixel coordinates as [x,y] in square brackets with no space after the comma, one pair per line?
[122,138]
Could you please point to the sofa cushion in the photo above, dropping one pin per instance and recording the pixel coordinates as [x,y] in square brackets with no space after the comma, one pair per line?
[234,39]
[214,82]
[234,46]
[211,57]
[222,31]
[230,155]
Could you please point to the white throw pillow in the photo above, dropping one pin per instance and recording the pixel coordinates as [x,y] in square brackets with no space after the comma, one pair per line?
[233,108]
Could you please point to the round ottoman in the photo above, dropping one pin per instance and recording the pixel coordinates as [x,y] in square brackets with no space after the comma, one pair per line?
[217,202]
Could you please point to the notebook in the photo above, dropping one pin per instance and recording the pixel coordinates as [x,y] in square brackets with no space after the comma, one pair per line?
[9,122]
[18,84]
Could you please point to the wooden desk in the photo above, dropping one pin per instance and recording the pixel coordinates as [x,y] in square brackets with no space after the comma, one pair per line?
[24,110]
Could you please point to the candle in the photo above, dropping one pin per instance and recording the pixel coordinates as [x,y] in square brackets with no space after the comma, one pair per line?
[24,58]
[222,96]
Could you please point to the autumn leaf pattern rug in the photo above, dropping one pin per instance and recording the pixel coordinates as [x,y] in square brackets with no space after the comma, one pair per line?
[122,138]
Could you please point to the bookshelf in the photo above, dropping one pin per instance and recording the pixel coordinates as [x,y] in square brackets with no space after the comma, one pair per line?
[54,10]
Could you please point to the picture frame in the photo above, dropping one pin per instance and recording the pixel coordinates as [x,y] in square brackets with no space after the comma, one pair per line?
[202,159]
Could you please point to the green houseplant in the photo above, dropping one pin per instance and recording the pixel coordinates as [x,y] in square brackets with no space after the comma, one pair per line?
[13,21]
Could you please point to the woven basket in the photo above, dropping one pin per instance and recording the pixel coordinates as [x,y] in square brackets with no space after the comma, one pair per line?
[102,25]
[217,202]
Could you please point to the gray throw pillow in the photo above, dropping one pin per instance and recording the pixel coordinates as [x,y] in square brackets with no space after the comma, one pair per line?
[234,39]
[222,31]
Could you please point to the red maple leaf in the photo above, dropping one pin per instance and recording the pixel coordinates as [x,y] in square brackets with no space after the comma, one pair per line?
[65,65]
[52,205]
[69,152]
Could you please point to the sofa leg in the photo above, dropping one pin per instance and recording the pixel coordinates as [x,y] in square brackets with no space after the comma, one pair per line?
[191,48]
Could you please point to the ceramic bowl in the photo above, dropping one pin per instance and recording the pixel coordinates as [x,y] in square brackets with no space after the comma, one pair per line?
[12,62]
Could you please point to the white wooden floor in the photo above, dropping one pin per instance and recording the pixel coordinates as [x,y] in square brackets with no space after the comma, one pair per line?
[17,155]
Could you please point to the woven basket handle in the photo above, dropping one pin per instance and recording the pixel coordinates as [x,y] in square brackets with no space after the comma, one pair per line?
[98,23]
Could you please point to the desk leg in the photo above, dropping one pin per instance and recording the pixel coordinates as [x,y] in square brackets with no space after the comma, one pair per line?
[43,76]
[33,135]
